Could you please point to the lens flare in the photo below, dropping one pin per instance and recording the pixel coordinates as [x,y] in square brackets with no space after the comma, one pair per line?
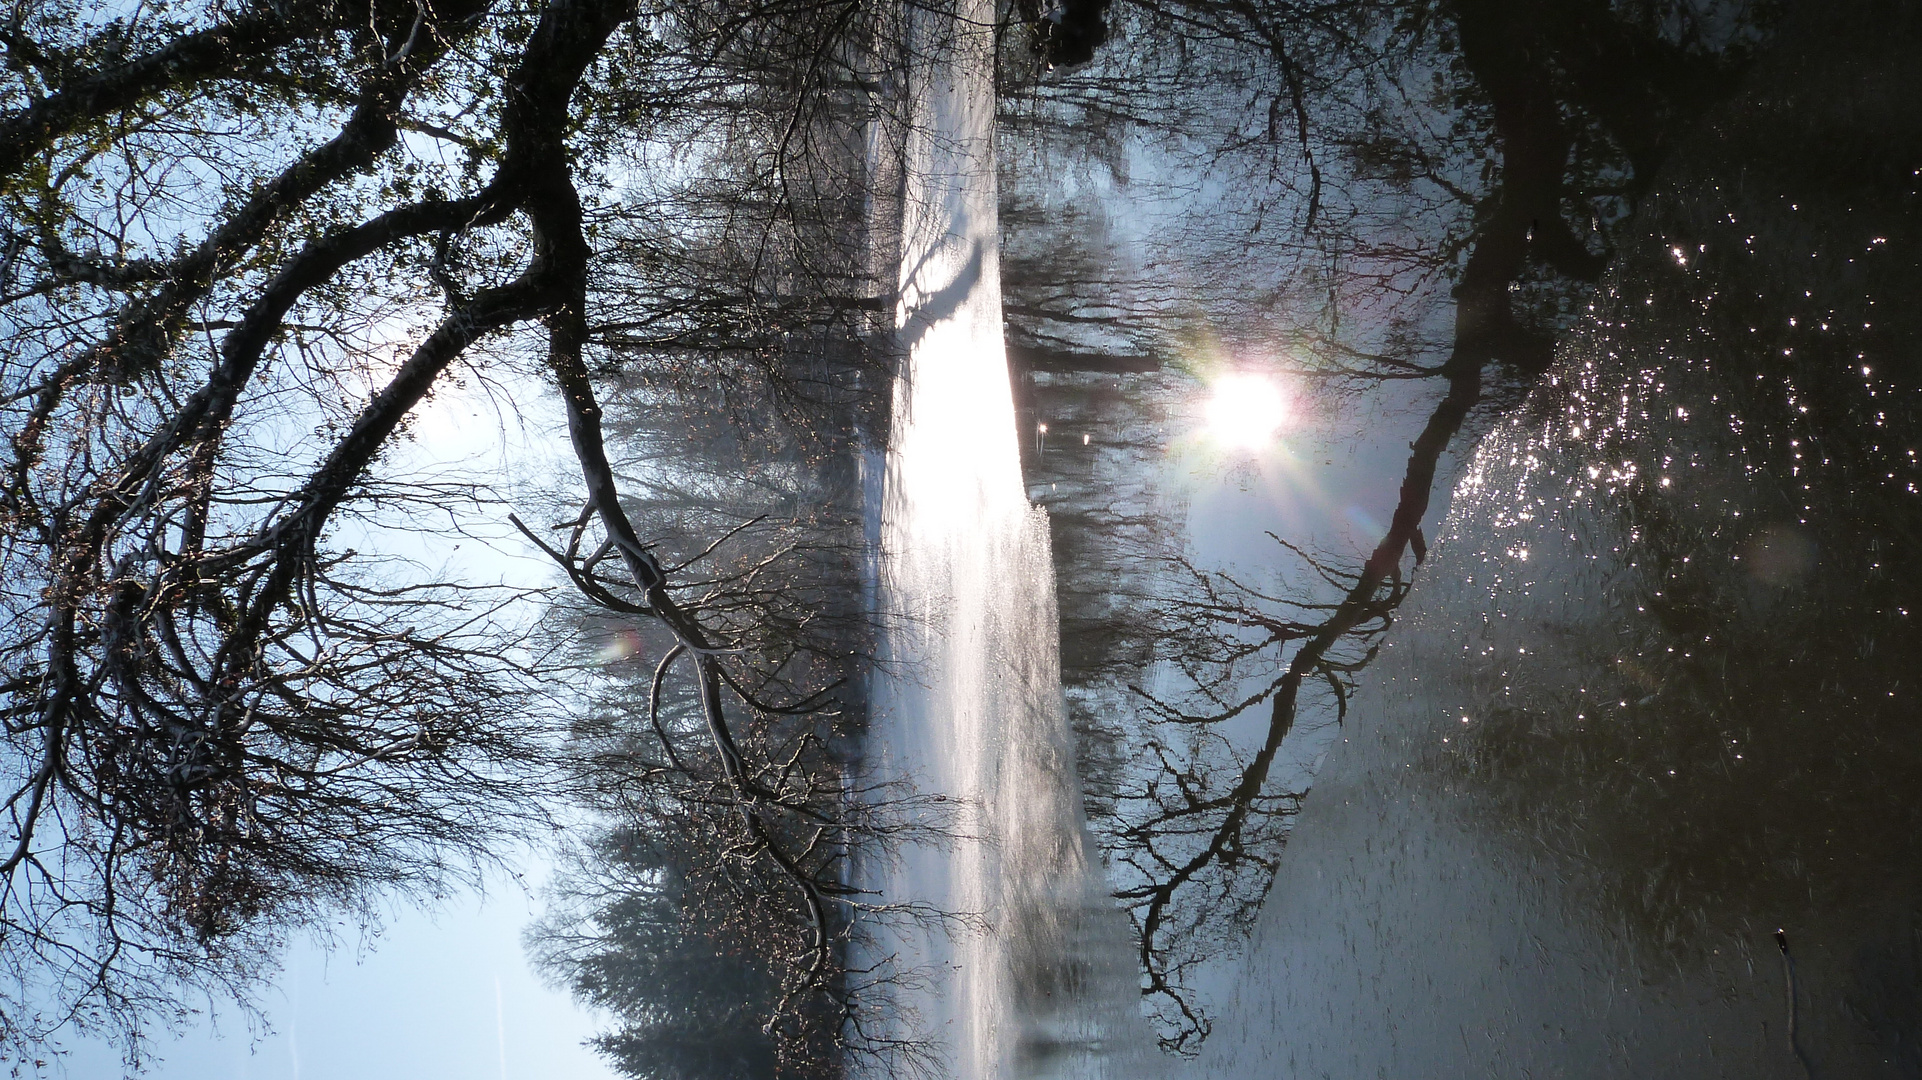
[1246,411]
[622,645]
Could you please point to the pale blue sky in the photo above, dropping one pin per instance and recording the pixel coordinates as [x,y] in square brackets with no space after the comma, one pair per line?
[440,996]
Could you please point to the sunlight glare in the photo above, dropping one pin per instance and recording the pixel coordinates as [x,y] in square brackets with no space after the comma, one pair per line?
[1246,410]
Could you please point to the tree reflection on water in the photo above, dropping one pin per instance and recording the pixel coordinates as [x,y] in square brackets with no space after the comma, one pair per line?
[1458,176]
[1642,757]
[1734,744]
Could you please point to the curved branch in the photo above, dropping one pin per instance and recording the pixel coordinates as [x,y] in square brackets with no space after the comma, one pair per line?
[229,49]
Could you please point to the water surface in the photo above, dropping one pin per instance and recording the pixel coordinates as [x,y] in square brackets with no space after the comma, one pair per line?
[1633,790]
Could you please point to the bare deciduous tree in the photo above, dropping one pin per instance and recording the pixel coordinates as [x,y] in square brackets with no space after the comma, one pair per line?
[243,248]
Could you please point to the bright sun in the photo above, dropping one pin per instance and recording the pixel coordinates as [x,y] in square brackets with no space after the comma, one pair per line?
[1246,411]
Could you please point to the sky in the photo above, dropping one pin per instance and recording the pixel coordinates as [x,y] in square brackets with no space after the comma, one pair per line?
[443,995]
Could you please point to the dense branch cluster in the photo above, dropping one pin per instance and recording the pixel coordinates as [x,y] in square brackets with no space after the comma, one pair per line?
[244,247]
